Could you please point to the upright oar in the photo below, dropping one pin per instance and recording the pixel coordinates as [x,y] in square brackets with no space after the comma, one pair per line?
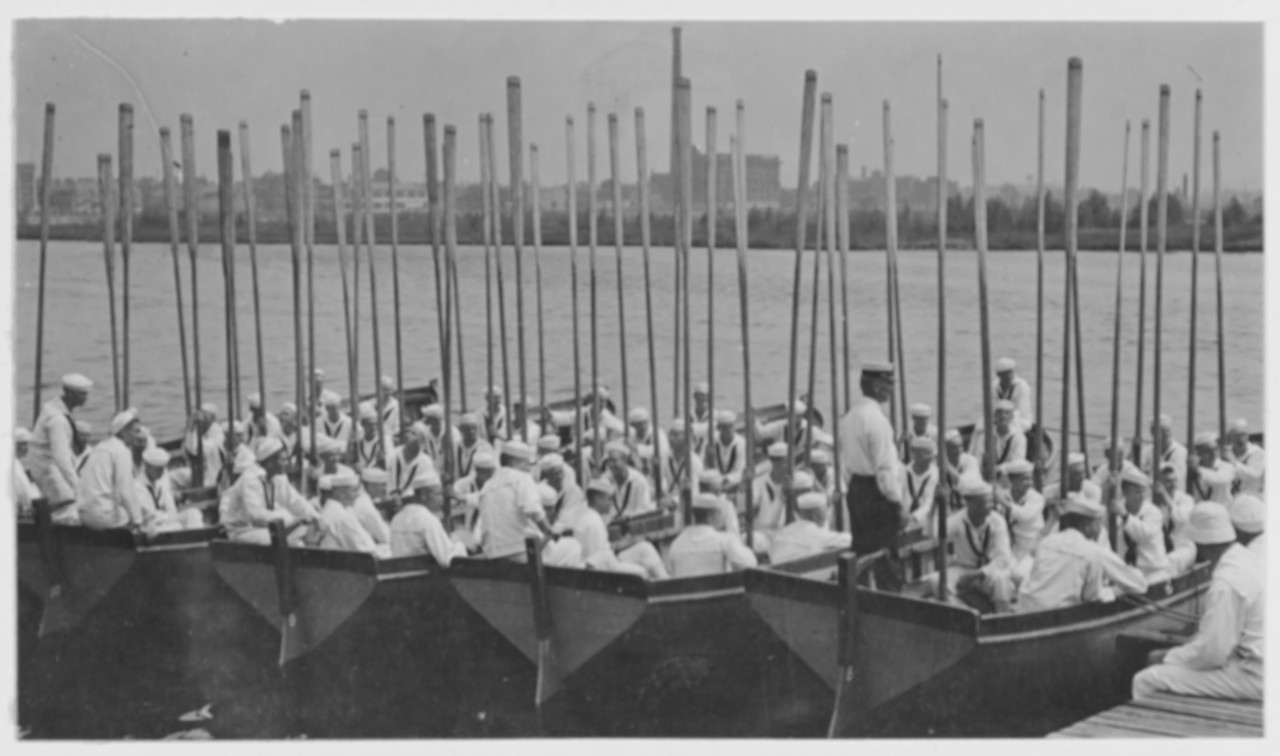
[944,465]
[1193,347]
[395,277]
[287,138]
[46,187]
[591,241]
[487,236]
[740,236]
[680,274]
[842,237]
[711,277]
[1038,473]
[433,203]
[572,178]
[1162,234]
[106,198]
[615,178]
[1143,205]
[536,201]
[802,193]
[126,235]
[515,148]
[685,102]
[192,210]
[984,309]
[366,193]
[175,239]
[891,253]
[250,213]
[358,199]
[496,206]
[307,215]
[824,136]
[1075,72]
[1112,459]
[642,174]
[830,160]
[1217,250]
[227,234]
[450,246]
[340,226]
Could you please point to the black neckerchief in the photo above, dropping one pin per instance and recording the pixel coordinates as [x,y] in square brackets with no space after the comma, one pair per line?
[733,457]
[1003,393]
[1008,444]
[155,497]
[986,539]
[400,486]
[915,495]
[626,496]
[329,429]
[1130,551]
[269,491]
[1204,495]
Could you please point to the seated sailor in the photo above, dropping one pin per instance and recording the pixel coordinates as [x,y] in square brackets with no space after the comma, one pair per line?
[710,482]
[373,487]
[560,549]
[107,493]
[587,525]
[339,528]
[1248,517]
[408,462]
[727,452]
[466,491]
[1166,449]
[549,445]
[1071,567]
[469,443]
[266,495]
[1076,481]
[769,498]
[1211,478]
[390,407]
[494,414]
[808,534]
[1248,459]
[1142,525]
[1023,508]
[155,495]
[434,440]
[1225,658]
[649,441]
[1175,506]
[921,424]
[919,484]
[960,464]
[203,434]
[416,528]
[1013,388]
[979,572]
[679,466]
[703,549]
[261,423]
[333,422]
[372,447]
[23,490]
[1010,444]
[510,506]
[633,488]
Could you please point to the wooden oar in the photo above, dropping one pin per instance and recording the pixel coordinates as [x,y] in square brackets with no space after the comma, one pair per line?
[106,194]
[285,584]
[842,239]
[366,193]
[984,307]
[1038,473]
[944,465]
[1217,251]
[433,201]
[458,340]
[1193,346]
[358,199]
[642,179]
[1143,205]
[802,217]
[572,189]
[175,239]
[1075,72]
[450,247]
[593,212]
[896,354]
[740,236]
[395,280]
[227,234]
[824,136]
[307,215]
[829,199]
[125,196]
[192,210]
[712,165]
[1079,342]
[515,166]
[340,226]
[487,236]
[680,274]
[684,99]
[536,201]
[615,178]
[842,710]
[46,187]
[496,205]
[1162,235]
[295,227]
[306,377]
[547,682]
[1113,463]
[251,214]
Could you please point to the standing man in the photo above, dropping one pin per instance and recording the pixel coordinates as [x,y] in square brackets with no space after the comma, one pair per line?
[1249,460]
[872,470]
[107,494]
[53,465]
[1013,388]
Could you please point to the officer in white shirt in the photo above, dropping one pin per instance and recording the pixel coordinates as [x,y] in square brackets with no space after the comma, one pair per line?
[107,494]
[24,491]
[408,462]
[808,534]
[633,496]
[339,527]
[155,495]
[333,422]
[980,568]
[1225,658]
[416,529]
[919,486]
[510,506]
[871,466]
[1211,478]
[1248,517]
[727,452]
[1013,388]
[1023,508]
[1142,525]
[373,485]
[702,548]
[53,438]
[261,423]
[1248,459]
[1070,566]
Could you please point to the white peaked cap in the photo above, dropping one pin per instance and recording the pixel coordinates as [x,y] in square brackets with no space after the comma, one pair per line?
[76,382]
[1004,363]
[157,457]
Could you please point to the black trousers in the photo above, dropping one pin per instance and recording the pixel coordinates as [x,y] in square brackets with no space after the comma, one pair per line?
[875,522]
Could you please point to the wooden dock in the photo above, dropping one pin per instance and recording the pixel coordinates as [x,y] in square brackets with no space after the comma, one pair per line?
[1169,716]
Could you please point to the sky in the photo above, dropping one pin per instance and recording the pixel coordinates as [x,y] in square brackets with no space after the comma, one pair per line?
[226,71]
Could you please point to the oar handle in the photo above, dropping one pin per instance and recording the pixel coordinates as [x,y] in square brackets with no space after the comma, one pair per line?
[538,584]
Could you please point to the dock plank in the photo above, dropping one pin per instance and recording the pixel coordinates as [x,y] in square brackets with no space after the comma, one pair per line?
[1226,711]
[1166,715]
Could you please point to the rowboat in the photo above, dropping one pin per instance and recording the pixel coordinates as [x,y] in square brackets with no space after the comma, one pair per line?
[894,665]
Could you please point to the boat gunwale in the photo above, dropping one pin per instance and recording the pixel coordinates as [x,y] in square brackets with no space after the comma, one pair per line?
[123,538]
[339,560]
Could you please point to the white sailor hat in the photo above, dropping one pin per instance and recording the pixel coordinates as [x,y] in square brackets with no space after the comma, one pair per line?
[524,403]
[76,382]
[706,501]
[318,373]
[548,495]
[1075,459]
[953,437]
[373,475]
[1239,425]
[517,450]
[21,435]
[877,367]
[602,392]
[433,410]
[327,445]
[244,459]
[1206,439]
[84,427]
[701,388]
[1166,421]
[1131,474]
[638,415]
[972,486]
[549,443]
[710,477]
[813,500]
[1248,513]
[268,447]
[820,456]
[238,426]
[777,450]
[288,408]
[157,457]
[330,398]
[468,420]
[726,417]
[1005,405]
[484,460]
[209,408]
[921,410]
[1078,503]
[122,420]
[677,425]
[601,485]
[255,400]
[618,448]
[368,412]
[494,391]
[924,444]
[426,479]
[802,480]
[551,461]
[1210,524]
[420,430]
[1019,467]
[1004,364]
[387,383]
[800,407]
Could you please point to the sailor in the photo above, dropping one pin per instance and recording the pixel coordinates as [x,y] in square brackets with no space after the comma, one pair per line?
[712,482]
[372,446]
[390,407]
[333,422]
[434,444]
[466,491]
[1248,517]
[769,498]
[317,386]
[633,494]
[604,420]
[921,424]
[701,402]
[373,486]
[1102,471]
[155,495]
[549,445]
[871,465]
[1143,526]
[1070,566]
[960,464]
[560,549]
[1010,444]
[83,443]
[1248,459]
[1211,478]
[820,468]
[261,423]
[727,452]
[569,497]
[1013,388]
[528,429]
[587,525]
[107,493]
[1225,658]
[979,571]
[702,548]
[288,418]
[24,491]
[494,414]
[1076,481]
[339,527]
[1167,449]
[808,534]
[268,496]
[648,440]
[203,434]
[416,529]
[510,505]
[469,443]
[407,462]
[329,452]
[920,485]
[1023,508]
[53,441]
[1175,506]
[797,435]
[678,468]
[232,497]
